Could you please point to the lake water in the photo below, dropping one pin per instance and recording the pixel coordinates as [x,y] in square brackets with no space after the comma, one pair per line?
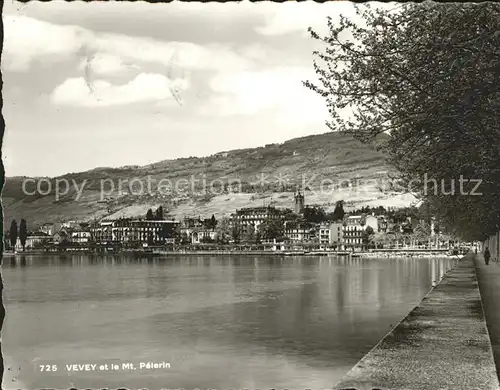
[219,322]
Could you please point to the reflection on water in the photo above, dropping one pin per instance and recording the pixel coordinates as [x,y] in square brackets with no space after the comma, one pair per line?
[241,322]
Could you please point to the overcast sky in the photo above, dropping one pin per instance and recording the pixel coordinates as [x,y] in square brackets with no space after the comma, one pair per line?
[93,84]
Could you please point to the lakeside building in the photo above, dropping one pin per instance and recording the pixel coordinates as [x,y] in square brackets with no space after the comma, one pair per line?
[60,237]
[51,228]
[34,240]
[198,230]
[383,224]
[299,231]
[71,225]
[199,236]
[252,217]
[331,235]
[80,237]
[73,235]
[134,231]
[354,230]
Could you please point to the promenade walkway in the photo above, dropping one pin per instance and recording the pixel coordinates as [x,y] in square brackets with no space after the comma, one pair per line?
[489,284]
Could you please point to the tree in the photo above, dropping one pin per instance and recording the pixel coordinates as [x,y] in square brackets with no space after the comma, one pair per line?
[338,212]
[399,239]
[158,214]
[13,233]
[184,238]
[289,215]
[223,230]
[422,81]
[206,240]
[213,222]
[368,235]
[400,216]
[23,233]
[380,239]
[422,232]
[149,215]
[166,231]
[314,214]
[271,229]
[407,228]
[249,234]
[236,234]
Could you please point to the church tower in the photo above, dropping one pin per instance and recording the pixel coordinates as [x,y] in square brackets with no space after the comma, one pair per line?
[299,202]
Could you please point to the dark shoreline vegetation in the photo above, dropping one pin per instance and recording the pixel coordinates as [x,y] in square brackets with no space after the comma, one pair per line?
[433,86]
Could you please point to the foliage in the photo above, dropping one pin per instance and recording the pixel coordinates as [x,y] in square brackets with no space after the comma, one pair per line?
[369,231]
[223,230]
[184,239]
[271,229]
[368,235]
[314,214]
[423,231]
[207,240]
[236,234]
[407,228]
[379,210]
[13,233]
[213,222]
[248,234]
[23,233]
[338,212]
[380,239]
[158,214]
[168,231]
[427,74]
[289,215]
[149,215]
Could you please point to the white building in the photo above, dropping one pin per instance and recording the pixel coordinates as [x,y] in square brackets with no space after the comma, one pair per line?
[199,235]
[298,231]
[50,228]
[354,230]
[34,240]
[80,236]
[331,235]
[244,218]
[132,230]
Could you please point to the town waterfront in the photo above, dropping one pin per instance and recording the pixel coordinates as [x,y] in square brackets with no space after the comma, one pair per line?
[219,322]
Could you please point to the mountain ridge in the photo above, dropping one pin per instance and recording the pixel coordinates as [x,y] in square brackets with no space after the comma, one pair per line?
[307,163]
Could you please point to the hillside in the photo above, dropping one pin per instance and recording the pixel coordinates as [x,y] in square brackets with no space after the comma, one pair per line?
[216,184]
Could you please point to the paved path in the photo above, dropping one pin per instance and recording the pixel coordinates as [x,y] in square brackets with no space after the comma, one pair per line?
[489,284]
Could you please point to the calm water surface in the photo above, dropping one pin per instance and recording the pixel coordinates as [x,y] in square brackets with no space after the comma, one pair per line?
[220,322]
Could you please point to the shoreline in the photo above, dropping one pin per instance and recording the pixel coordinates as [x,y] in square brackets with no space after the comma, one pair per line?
[409,254]
[366,255]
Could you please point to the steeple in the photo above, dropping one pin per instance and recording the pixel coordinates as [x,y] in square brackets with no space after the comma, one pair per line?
[299,202]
